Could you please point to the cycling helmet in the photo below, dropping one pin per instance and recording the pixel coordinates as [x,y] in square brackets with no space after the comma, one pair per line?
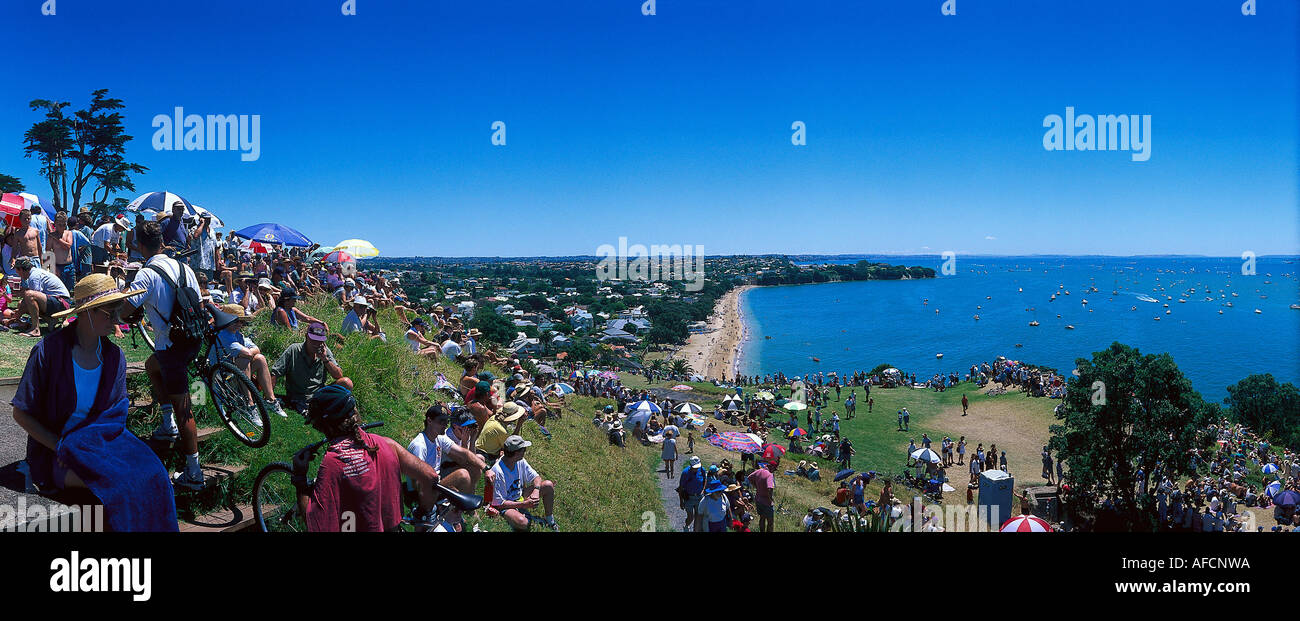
[330,404]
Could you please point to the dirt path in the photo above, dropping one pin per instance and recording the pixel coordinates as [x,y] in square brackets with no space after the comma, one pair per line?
[668,494]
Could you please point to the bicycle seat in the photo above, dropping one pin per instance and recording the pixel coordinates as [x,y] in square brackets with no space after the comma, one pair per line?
[466,502]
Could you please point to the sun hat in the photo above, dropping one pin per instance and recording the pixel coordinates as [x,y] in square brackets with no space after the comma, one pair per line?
[360,300]
[733,487]
[316,331]
[265,283]
[288,293]
[695,462]
[515,443]
[93,291]
[716,486]
[122,222]
[510,412]
[234,309]
[473,332]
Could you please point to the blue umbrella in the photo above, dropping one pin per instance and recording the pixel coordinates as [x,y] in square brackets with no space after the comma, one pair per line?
[1273,489]
[47,208]
[160,203]
[1269,468]
[271,233]
[644,406]
[1287,498]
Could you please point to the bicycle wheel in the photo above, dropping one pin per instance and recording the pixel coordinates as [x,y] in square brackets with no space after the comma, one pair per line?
[275,501]
[239,404]
[144,333]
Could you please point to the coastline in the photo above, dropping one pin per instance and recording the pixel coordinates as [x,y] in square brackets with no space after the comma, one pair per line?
[716,353]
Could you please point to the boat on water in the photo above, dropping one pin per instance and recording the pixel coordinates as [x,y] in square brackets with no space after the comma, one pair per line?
[1085,301]
[1156,318]
[1220,311]
[977,317]
[1295,307]
[1258,312]
[1033,323]
[1069,327]
[938,355]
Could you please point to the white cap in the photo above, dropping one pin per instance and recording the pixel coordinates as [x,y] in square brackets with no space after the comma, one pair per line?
[361,301]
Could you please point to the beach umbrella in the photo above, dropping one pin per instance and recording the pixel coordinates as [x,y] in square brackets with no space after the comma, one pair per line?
[1025,524]
[160,203]
[797,432]
[340,256]
[637,417]
[795,406]
[844,474]
[644,406]
[1269,468]
[688,408]
[546,369]
[216,222]
[47,208]
[254,247]
[682,387]
[736,441]
[359,248]
[272,233]
[10,206]
[1287,498]
[560,387]
[608,375]
[926,454]
[765,396]
[780,402]
[1273,489]
[773,452]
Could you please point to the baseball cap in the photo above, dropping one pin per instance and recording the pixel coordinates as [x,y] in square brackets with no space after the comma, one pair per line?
[463,418]
[695,462]
[288,293]
[316,331]
[360,300]
[515,443]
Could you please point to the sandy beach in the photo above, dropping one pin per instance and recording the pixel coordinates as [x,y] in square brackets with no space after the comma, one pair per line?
[717,352]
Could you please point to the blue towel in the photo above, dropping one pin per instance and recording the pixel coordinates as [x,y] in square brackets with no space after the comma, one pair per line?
[121,471]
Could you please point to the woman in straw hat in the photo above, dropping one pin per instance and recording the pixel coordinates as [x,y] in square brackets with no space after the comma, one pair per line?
[72,402]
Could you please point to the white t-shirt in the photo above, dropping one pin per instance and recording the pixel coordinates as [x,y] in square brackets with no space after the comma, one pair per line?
[105,233]
[433,453]
[410,340]
[351,323]
[158,296]
[450,349]
[509,483]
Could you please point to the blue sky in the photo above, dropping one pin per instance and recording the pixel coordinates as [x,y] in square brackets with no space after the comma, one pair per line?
[924,132]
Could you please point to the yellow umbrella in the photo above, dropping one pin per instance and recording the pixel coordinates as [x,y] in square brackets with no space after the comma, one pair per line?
[358,248]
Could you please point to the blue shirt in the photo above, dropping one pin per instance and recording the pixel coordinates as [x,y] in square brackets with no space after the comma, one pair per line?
[692,480]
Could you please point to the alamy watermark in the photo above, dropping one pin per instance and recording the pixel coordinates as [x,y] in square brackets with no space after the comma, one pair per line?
[682,262]
[215,132]
[1105,132]
[50,518]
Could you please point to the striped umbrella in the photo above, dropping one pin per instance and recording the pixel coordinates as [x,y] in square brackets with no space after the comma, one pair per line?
[926,454]
[1273,489]
[1270,468]
[254,247]
[688,408]
[160,203]
[797,432]
[765,396]
[737,441]
[10,206]
[1025,524]
[340,256]
[216,222]
[773,452]
[644,406]
[562,387]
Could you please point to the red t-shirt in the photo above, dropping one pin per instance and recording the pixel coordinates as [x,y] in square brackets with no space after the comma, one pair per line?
[351,479]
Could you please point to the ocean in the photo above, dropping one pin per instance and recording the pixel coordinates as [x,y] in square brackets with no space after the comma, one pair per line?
[852,326]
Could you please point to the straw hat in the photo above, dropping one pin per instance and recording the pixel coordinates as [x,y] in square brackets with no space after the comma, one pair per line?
[234,309]
[93,291]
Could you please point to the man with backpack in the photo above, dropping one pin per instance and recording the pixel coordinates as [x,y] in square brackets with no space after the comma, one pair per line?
[174,305]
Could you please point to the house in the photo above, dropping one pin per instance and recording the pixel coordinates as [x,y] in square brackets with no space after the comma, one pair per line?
[581,320]
[505,309]
[522,345]
[615,335]
[561,341]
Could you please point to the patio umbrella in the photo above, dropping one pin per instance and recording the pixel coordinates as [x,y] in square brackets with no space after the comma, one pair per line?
[926,454]
[773,452]
[844,474]
[1025,524]
[160,203]
[1273,489]
[216,222]
[637,417]
[47,208]
[765,396]
[546,369]
[644,406]
[736,441]
[780,402]
[688,408]
[272,233]
[795,406]
[608,375]
[254,247]
[1269,468]
[562,387]
[797,432]
[10,206]
[1287,498]
[682,387]
[340,256]
[359,248]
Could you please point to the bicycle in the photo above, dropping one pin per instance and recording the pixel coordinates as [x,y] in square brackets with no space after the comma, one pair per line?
[275,500]
[237,400]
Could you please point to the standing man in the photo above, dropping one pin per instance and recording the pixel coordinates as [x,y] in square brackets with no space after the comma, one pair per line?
[764,483]
[173,228]
[964,405]
[60,245]
[690,489]
[168,367]
[907,419]
[1047,465]
[42,225]
[25,240]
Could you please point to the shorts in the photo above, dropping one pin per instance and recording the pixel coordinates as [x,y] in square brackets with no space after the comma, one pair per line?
[766,511]
[174,366]
[693,502]
[718,527]
[54,304]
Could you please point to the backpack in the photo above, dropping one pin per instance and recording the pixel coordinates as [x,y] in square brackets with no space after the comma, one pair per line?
[188,321]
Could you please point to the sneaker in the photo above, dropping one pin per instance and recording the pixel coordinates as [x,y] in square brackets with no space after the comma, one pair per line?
[161,434]
[183,479]
[278,410]
[550,523]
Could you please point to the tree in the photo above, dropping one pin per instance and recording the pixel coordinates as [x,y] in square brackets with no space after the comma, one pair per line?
[494,327]
[88,146]
[680,367]
[11,184]
[1266,407]
[1126,412]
